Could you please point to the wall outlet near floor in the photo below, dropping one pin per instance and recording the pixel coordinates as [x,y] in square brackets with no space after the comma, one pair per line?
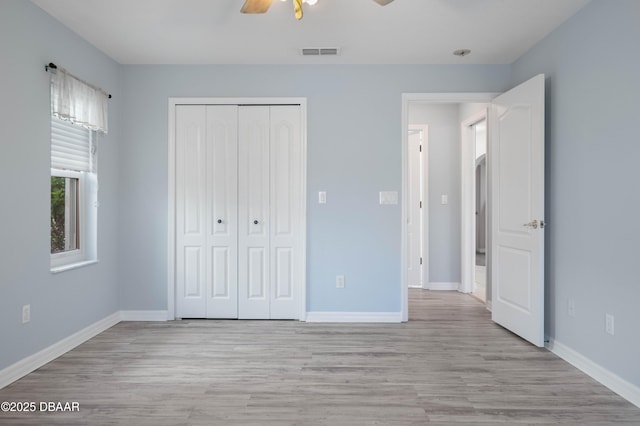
[609,324]
[26,314]
[340,281]
[571,308]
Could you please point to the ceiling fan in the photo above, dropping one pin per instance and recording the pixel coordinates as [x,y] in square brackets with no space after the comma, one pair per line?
[261,6]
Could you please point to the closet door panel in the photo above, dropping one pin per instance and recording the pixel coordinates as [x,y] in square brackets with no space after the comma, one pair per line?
[191,211]
[283,274]
[221,288]
[286,182]
[222,211]
[255,269]
[253,214]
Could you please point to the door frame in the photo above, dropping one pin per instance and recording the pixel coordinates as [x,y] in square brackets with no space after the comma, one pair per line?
[468,199]
[171,207]
[407,98]
[424,194]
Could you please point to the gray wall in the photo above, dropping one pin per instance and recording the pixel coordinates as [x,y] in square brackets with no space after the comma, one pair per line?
[592,179]
[67,302]
[354,151]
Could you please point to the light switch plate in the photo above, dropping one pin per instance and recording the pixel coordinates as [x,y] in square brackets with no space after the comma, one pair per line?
[445,199]
[322,197]
[26,314]
[388,197]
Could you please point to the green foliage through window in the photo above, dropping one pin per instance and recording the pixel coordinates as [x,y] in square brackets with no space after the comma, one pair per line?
[64,214]
[57,214]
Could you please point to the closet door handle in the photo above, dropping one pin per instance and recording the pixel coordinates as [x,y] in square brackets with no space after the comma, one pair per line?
[219,220]
[255,222]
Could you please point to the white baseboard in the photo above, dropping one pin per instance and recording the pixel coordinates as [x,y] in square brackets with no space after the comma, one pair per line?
[444,286]
[25,366]
[489,306]
[143,315]
[627,390]
[354,317]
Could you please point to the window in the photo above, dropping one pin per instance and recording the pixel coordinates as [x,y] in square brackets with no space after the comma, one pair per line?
[78,114]
[73,193]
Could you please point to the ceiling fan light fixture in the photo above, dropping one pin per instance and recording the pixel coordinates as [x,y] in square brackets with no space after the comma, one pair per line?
[261,6]
[309,2]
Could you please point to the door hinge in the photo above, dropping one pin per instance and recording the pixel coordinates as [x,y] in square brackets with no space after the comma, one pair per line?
[420,148]
[421,261]
[420,204]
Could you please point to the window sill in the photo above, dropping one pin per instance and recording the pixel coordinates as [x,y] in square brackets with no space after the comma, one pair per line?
[76,265]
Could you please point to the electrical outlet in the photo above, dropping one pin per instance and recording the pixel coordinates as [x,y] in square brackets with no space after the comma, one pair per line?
[340,281]
[609,324]
[571,308]
[26,314]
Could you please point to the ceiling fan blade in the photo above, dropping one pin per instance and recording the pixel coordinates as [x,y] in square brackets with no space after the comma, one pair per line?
[256,6]
[383,2]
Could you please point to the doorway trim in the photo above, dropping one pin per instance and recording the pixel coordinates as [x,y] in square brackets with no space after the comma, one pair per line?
[171,207]
[468,197]
[424,195]
[407,98]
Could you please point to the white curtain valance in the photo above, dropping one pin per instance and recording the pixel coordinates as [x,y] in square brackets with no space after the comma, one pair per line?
[77,101]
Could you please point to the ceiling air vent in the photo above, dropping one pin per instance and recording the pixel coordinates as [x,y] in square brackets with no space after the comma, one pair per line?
[322,51]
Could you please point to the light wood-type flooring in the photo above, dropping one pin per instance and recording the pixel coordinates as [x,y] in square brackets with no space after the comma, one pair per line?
[448,365]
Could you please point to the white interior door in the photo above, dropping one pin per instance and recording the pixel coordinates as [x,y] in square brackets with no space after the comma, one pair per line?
[191,211]
[285,205]
[517,198]
[222,211]
[414,222]
[253,214]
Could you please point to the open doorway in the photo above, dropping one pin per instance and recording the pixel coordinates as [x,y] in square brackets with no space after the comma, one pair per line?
[475,255]
[515,205]
[442,114]
[480,194]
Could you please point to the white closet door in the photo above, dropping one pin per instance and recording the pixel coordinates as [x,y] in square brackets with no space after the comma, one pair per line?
[222,211]
[286,193]
[191,211]
[253,214]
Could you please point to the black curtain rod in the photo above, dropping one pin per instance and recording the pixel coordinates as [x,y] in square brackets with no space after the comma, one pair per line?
[53,66]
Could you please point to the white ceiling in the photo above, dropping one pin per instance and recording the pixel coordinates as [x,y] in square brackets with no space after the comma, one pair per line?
[403,32]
